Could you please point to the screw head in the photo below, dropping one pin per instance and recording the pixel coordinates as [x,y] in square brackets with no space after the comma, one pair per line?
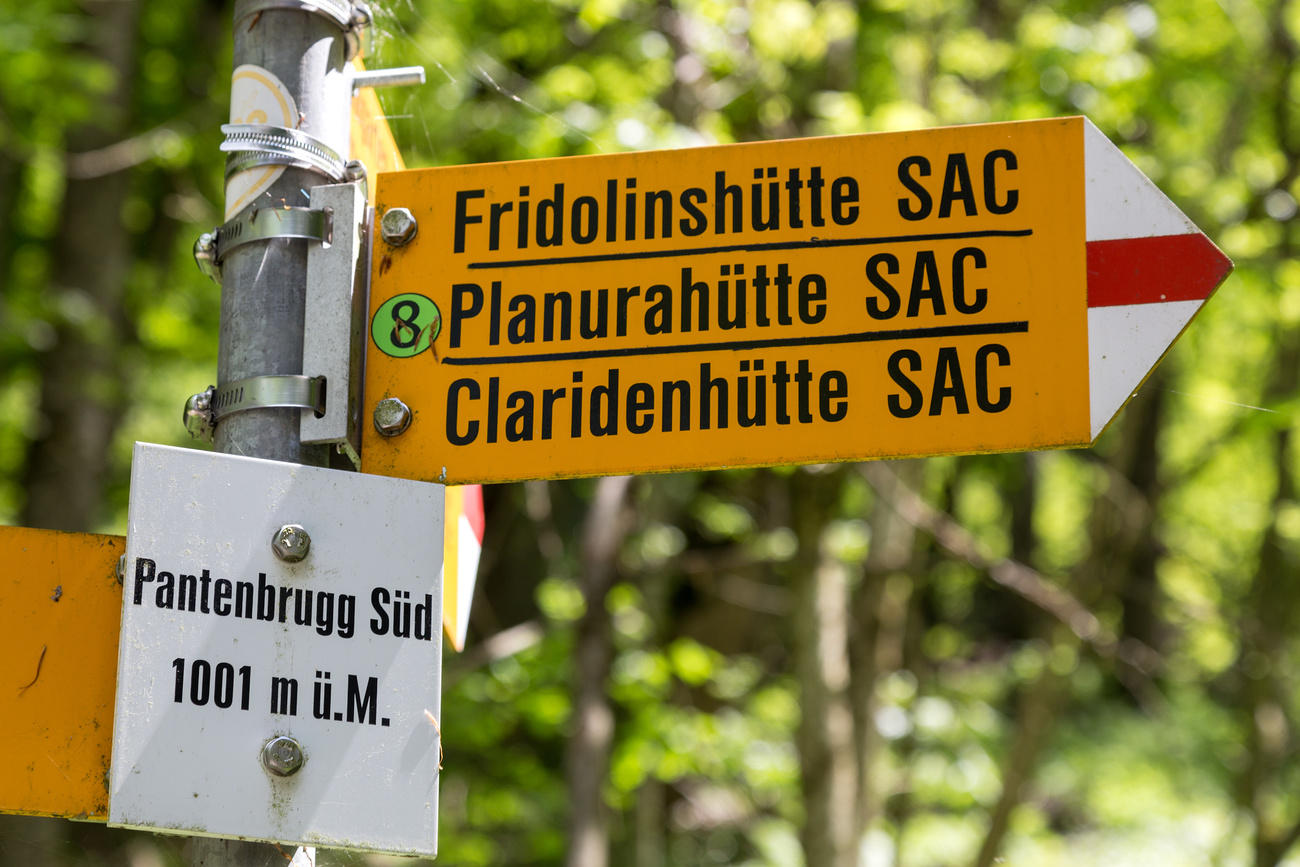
[354,170]
[282,756]
[398,226]
[392,417]
[291,543]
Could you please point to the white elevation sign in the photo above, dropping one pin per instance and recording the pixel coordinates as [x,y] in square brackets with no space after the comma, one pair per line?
[266,697]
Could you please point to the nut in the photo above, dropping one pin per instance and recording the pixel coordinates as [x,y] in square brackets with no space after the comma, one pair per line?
[392,417]
[398,226]
[197,415]
[282,756]
[205,256]
[291,543]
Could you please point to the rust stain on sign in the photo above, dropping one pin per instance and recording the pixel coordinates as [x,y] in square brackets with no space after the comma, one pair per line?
[56,693]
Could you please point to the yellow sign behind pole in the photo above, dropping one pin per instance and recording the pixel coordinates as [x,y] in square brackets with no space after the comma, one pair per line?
[61,605]
[372,142]
[371,139]
[781,302]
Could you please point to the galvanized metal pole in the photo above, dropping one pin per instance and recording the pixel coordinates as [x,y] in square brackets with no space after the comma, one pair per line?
[263,284]
[302,46]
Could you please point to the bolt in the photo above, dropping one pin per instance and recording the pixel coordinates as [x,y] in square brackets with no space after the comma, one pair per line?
[398,226]
[392,417]
[197,414]
[121,569]
[205,256]
[354,170]
[291,543]
[361,16]
[282,756]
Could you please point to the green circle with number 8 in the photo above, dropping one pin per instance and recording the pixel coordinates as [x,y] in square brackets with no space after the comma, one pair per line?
[405,325]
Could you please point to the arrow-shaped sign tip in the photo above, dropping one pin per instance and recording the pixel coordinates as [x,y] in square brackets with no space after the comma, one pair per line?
[1149,271]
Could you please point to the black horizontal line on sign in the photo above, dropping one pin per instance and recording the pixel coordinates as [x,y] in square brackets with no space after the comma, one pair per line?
[741,345]
[753,248]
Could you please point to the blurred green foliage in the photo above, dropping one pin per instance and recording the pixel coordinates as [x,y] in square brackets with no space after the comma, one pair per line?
[1190,759]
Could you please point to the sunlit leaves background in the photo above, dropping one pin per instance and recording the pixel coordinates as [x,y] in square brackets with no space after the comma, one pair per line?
[1186,759]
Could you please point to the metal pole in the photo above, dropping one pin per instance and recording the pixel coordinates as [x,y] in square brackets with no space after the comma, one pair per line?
[264,284]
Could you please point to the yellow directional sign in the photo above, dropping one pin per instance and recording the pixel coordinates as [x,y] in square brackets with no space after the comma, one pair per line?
[61,605]
[757,304]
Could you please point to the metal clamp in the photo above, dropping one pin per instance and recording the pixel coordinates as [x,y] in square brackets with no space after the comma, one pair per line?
[291,391]
[253,145]
[351,17]
[260,224]
[262,392]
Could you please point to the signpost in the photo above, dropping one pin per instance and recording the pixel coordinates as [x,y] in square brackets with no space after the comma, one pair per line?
[969,289]
[61,705]
[280,657]
[985,288]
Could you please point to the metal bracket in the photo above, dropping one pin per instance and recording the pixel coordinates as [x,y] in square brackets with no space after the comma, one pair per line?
[338,280]
[204,410]
[253,145]
[334,320]
[351,17]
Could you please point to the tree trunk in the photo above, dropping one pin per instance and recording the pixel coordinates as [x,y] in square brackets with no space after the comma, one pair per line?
[1267,626]
[825,739]
[587,762]
[875,642]
[11,179]
[650,823]
[82,389]
[1039,707]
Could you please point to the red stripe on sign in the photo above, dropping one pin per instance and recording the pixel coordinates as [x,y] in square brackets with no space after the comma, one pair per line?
[473,506]
[1150,270]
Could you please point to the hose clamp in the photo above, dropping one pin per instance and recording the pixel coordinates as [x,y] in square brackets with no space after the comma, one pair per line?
[350,17]
[253,145]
